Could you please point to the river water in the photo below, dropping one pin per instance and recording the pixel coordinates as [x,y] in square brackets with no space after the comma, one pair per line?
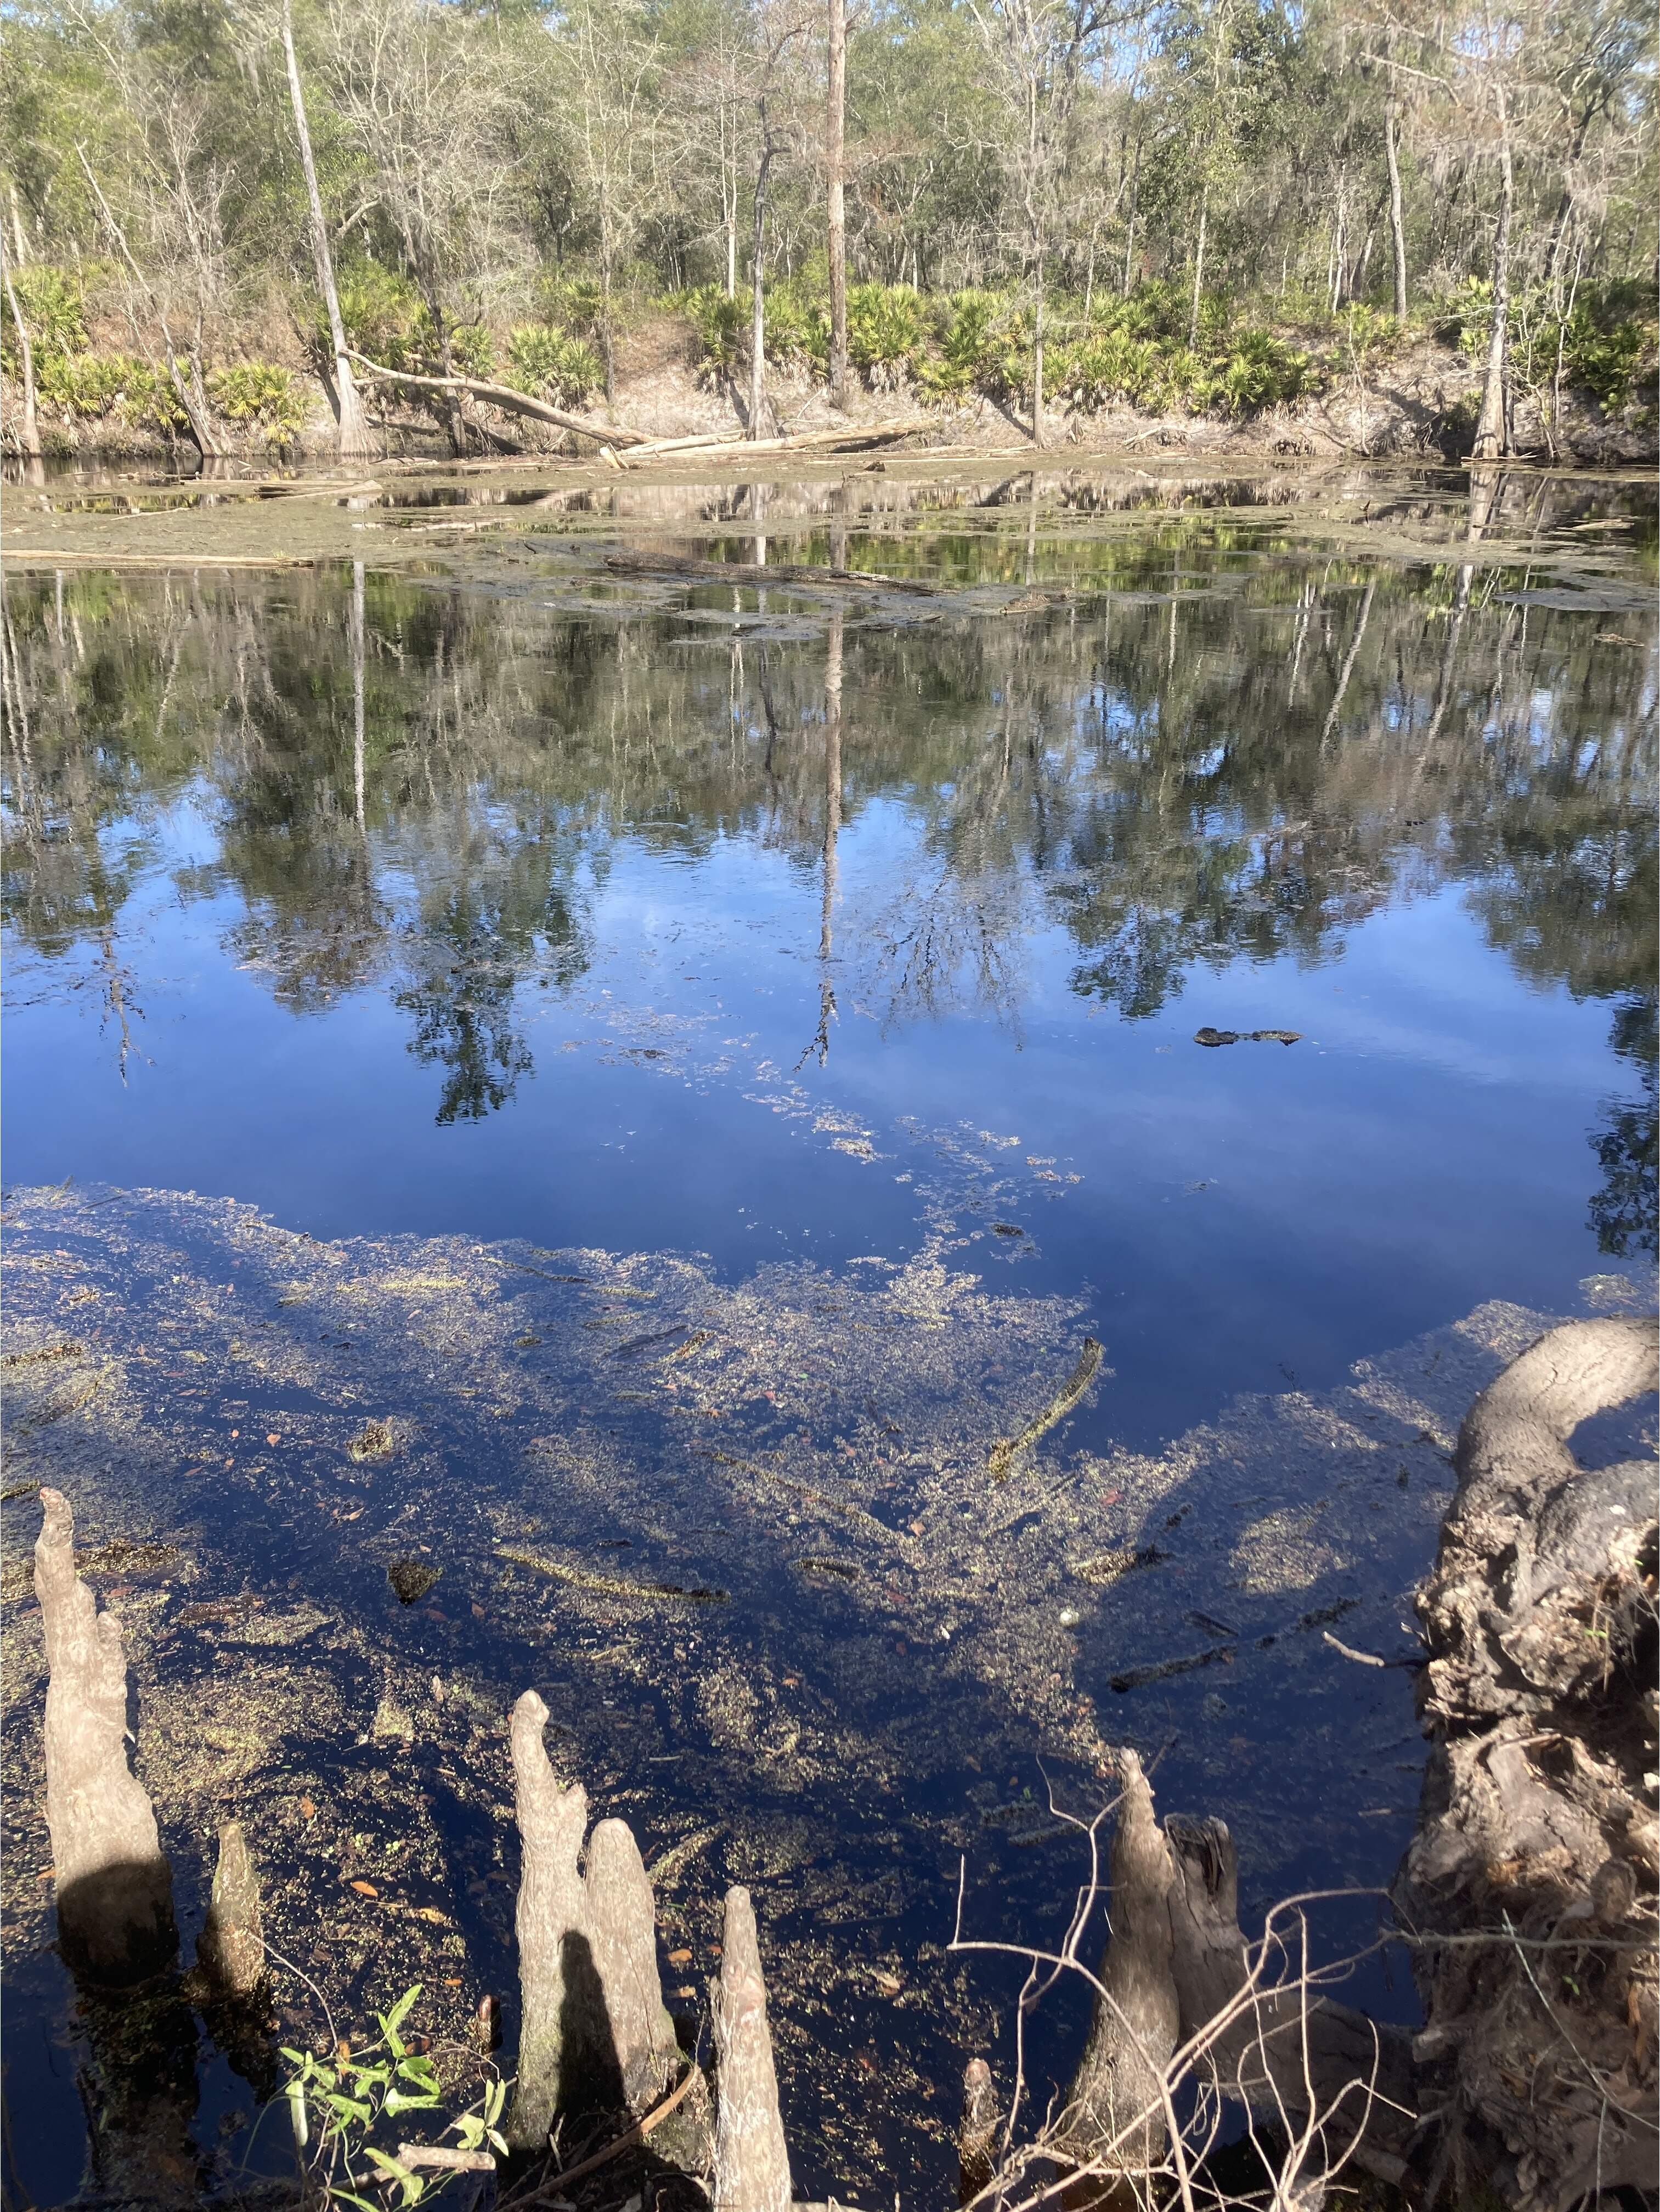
[696,1060]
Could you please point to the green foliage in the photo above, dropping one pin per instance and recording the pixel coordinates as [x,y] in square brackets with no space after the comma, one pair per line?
[472,350]
[551,365]
[92,387]
[54,308]
[262,395]
[576,303]
[720,324]
[798,324]
[383,315]
[1255,370]
[1110,365]
[1605,343]
[887,330]
[335,2109]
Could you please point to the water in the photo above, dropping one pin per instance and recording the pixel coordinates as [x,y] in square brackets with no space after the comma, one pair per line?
[785,944]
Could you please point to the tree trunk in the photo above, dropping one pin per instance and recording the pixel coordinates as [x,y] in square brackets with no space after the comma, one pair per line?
[1493,429]
[1397,213]
[355,444]
[1038,358]
[758,295]
[555,1964]
[1198,270]
[835,158]
[28,436]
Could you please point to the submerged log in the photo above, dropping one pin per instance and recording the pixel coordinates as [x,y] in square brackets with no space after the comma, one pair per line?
[1528,1886]
[751,2161]
[558,1983]
[1116,2113]
[114,1888]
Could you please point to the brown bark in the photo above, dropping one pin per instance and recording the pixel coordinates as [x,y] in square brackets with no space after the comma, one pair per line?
[751,2161]
[355,444]
[114,1888]
[231,1949]
[621,1918]
[835,114]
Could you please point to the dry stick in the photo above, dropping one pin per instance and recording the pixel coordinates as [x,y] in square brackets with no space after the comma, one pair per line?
[637,2133]
[502,396]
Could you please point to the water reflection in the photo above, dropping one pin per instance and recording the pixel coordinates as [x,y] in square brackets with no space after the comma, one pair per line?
[417,791]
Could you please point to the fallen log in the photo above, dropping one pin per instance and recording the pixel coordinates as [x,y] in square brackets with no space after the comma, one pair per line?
[757,571]
[504,396]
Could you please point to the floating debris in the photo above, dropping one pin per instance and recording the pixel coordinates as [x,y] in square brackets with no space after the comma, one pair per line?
[608,1585]
[1210,1036]
[413,1578]
[375,1440]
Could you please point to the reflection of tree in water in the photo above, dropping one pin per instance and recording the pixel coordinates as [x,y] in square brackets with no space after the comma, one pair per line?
[1626,1143]
[1220,761]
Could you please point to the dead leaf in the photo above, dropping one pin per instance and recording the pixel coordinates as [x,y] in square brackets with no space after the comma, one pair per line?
[430,1912]
[308,1809]
[366,1889]
[273,1440]
[680,1958]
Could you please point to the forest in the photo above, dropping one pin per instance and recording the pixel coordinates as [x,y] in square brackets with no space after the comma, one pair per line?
[220,212]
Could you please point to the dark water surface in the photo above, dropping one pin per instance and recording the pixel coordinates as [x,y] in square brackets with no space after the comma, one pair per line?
[789,943]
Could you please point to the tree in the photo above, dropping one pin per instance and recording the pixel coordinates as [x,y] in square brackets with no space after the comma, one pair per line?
[355,443]
[835,119]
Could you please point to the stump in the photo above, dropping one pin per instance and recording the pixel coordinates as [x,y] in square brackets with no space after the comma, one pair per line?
[751,2162]
[114,1888]
[976,2139]
[1119,2084]
[231,1951]
[562,2027]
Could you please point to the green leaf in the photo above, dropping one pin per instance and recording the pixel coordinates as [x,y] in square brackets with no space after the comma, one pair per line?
[350,2108]
[498,2141]
[399,2101]
[349,2196]
[418,2068]
[400,2012]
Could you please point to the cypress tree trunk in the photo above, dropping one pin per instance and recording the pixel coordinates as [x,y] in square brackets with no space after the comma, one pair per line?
[355,444]
[1491,430]
[834,150]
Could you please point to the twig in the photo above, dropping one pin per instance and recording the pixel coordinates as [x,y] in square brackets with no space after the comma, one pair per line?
[637,2133]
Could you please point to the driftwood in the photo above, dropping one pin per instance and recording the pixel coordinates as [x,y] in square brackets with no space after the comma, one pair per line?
[1528,1886]
[558,1982]
[504,396]
[1133,2032]
[231,1950]
[976,2139]
[754,572]
[114,1888]
[751,2161]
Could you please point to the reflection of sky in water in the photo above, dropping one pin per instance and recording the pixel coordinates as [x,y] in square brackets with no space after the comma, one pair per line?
[641,1071]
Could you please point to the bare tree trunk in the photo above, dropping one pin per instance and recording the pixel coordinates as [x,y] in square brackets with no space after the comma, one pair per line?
[20,239]
[1397,213]
[835,157]
[1199,268]
[355,444]
[1493,429]
[757,296]
[1038,358]
[28,436]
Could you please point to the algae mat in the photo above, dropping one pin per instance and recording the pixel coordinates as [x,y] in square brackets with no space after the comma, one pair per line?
[748,1541]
